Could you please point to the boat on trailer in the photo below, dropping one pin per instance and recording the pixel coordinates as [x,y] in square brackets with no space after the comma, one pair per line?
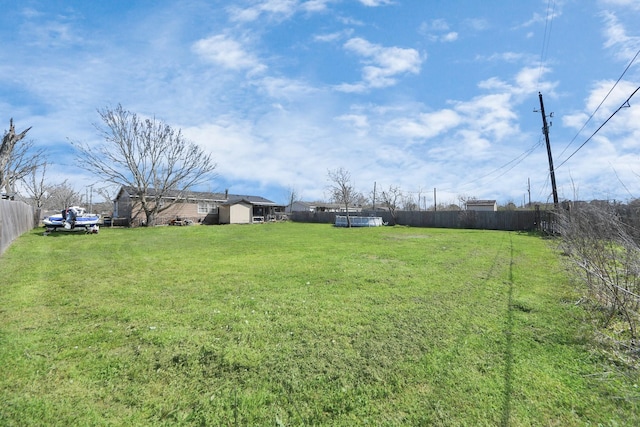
[74,218]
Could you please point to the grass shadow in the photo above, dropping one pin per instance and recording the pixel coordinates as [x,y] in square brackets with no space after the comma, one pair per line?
[65,233]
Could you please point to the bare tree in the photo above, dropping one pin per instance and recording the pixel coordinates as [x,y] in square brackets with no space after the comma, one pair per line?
[409,203]
[24,161]
[36,186]
[463,198]
[361,200]
[15,164]
[342,190]
[292,197]
[108,192]
[421,199]
[391,199]
[147,155]
[61,196]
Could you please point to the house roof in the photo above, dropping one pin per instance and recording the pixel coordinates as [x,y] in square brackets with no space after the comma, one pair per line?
[326,205]
[481,202]
[253,200]
[201,196]
[317,204]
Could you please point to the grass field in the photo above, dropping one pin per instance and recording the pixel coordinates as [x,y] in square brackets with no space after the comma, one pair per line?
[299,324]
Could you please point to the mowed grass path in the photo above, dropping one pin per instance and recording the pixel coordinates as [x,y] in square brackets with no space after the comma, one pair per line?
[298,324]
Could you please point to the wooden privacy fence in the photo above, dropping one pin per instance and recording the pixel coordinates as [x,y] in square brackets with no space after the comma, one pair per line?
[501,220]
[16,218]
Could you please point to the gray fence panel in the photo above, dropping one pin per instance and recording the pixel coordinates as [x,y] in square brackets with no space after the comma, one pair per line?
[500,220]
[16,218]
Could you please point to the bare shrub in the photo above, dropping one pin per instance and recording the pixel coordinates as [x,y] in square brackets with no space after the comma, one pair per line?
[605,253]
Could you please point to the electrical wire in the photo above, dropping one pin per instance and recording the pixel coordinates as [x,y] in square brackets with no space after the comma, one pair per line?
[621,182]
[510,165]
[624,105]
[515,162]
[546,38]
[602,102]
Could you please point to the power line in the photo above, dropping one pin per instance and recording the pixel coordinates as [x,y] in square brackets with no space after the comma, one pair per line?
[602,102]
[624,105]
[515,161]
[546,38]
[508,166]
[622,183]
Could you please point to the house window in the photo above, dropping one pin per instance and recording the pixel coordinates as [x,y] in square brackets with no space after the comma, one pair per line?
[206,207]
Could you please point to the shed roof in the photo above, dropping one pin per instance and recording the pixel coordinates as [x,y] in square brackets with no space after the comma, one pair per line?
[481,202]
[252,200]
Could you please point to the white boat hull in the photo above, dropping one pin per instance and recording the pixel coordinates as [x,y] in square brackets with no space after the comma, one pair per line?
[81,222]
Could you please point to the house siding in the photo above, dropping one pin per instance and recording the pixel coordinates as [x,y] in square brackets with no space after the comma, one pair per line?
[128,211]
[482,206]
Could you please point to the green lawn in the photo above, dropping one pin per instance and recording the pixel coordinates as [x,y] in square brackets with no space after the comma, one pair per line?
[299,324]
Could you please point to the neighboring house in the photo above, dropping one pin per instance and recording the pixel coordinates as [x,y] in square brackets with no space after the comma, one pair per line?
[206,207]
[320,207]
[482,205]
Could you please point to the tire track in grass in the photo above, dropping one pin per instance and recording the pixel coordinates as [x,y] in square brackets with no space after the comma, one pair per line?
[508,352]
[474,331]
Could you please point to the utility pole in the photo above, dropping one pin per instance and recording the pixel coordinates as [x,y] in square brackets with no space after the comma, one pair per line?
[435,203]
[374,196]
[529,190]
[545,130]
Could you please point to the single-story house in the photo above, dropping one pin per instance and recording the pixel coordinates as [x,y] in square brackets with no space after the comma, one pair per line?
[482,205]
[300,206]
[196,206]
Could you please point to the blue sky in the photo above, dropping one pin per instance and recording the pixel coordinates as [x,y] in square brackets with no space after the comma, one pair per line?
[416,94]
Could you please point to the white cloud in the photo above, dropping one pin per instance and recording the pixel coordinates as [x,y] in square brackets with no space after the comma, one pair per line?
[41,32]
[359,122]
[477,24]
[541,18]
[382,64]
[424,126]
[528,80]
[474,142]
[285,89]
[511,57]
[437,30]
[493,115]
[352,87]
[276,9]
[29,13]
[434,25]
[375,3]
[226,52]
[331,37]
[626,120]
[450,37]
[616,37]
[617,139]
[315,5]
[633,4]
